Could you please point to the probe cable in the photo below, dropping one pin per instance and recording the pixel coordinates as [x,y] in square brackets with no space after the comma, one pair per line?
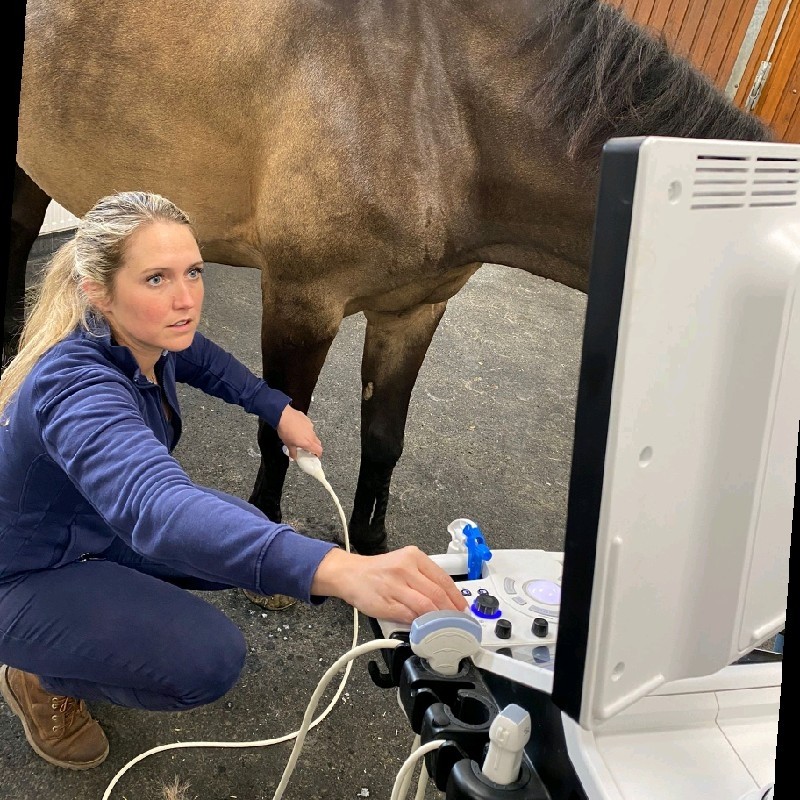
[404,774]
[299,734]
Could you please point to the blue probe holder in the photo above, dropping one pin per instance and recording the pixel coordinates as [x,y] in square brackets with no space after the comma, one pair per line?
[477,551]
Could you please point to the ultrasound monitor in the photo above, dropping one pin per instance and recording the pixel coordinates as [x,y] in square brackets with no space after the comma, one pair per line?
[676,554]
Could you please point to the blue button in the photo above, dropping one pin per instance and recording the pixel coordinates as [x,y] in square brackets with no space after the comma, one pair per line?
[466,592]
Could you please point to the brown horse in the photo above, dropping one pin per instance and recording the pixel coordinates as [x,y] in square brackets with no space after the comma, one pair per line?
[364,155]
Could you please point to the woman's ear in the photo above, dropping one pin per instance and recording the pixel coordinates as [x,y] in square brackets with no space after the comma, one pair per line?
[96,294]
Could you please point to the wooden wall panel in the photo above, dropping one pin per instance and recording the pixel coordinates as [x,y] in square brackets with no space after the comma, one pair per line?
[778,103]
[673,16]
[711,34]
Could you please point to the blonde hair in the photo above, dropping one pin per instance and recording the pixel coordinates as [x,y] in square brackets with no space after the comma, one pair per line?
[58,305]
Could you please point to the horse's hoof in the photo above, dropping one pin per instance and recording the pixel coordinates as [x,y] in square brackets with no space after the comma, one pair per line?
[375,547]
[273,602]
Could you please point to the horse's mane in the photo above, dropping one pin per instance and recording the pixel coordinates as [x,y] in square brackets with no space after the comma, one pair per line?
[607,76]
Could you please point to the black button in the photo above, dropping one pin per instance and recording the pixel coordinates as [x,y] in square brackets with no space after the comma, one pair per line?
[539,627]
[502,629]
[487,604]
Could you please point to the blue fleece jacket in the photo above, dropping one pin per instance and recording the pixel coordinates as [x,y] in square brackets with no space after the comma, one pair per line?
[85,457]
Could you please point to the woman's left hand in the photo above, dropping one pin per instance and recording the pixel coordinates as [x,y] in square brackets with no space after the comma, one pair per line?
[295,430]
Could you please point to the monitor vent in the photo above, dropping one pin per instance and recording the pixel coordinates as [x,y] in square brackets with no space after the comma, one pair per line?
[741,181]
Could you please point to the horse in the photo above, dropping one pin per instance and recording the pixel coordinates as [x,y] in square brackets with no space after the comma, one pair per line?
[365,155]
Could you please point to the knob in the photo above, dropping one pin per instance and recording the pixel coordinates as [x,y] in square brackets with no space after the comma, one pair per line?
[539,627]
[487,606]
[502,629]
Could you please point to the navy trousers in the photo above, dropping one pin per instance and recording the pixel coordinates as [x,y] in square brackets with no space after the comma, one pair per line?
[122,630]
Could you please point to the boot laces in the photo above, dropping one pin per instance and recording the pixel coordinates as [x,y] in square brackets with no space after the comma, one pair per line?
[68,707]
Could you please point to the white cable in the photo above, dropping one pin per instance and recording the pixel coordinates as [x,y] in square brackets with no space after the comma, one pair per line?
[409,763]
[403,791]
[422,780]
[259,743]
[422,783]
[378,644]
[289,736]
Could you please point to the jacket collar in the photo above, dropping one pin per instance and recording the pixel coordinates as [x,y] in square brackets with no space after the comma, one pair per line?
[98,331]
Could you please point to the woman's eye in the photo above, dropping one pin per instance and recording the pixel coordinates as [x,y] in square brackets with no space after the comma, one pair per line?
[195,272]
[154,280]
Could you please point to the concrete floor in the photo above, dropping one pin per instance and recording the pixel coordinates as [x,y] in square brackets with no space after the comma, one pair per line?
[489,437]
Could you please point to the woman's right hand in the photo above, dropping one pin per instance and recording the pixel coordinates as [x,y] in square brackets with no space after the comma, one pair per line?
[295,430]
[400,585]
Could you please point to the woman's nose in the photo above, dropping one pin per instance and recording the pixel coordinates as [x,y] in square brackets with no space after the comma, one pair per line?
[184,296]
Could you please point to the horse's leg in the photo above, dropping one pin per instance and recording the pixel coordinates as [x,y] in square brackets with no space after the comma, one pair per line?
[293,353]
[28,208]
[394,349]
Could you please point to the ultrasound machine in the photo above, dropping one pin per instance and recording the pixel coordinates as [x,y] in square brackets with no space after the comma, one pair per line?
[635,664]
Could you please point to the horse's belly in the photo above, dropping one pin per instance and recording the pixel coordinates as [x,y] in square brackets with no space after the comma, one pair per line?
[266,176]
[103,109]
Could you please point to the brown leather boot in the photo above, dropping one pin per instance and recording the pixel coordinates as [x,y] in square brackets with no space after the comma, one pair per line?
[60,729]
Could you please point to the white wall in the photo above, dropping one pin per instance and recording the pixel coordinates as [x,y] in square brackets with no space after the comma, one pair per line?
[57,219]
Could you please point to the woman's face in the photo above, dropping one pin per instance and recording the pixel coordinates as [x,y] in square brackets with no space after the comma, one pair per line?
[158,292]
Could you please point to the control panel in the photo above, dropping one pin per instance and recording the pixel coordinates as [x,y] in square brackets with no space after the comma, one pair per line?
[516,600]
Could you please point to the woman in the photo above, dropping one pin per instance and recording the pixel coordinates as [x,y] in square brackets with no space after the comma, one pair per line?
[101,530]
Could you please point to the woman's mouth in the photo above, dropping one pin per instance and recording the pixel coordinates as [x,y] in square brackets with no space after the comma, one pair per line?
[181,323]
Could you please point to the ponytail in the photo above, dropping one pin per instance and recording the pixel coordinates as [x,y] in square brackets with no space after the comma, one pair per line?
[56,307]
